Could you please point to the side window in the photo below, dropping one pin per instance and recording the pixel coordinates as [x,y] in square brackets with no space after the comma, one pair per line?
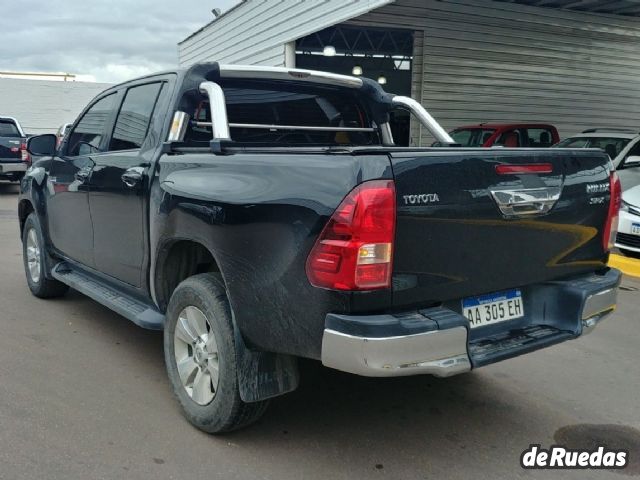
[540,137]
[634,151]
[510,139]
[134,117]
[88,134]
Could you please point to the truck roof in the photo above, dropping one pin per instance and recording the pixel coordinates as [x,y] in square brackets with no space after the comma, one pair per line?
[257,72]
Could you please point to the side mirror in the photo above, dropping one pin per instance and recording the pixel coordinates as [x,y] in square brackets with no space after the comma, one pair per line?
[42,144]
[632,161]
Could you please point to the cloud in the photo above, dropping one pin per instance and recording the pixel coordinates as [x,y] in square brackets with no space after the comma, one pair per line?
[109,41]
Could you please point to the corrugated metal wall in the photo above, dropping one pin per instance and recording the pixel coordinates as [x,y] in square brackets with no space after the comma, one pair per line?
[256,31]
[41,106]
[494,61]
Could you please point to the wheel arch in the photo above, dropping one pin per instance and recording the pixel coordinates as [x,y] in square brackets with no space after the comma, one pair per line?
[178,259]
[25,208]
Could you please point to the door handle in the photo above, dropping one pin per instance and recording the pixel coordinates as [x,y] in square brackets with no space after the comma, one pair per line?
[133,177]
[82,175]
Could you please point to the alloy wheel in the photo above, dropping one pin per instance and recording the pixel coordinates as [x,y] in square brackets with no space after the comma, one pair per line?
[196,355]
[33,256]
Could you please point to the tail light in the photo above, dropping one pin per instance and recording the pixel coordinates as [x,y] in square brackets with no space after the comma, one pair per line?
[355,249]
[508,169]
[611,223]
[24,153]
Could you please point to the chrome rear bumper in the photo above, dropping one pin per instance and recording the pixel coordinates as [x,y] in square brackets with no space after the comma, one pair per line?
[438,341]
[441,353]
[12,167]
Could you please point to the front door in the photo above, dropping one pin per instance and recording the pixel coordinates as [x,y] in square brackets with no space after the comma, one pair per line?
[69,219]
[118,184]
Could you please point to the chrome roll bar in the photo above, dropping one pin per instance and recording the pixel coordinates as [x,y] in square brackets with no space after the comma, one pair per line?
[220,123]
[425,118]
[218,108]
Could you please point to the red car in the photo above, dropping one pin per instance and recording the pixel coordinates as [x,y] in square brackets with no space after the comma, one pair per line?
[512,135]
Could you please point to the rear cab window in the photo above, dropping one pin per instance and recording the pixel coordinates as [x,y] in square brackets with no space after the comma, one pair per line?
[8,128]
[267,114]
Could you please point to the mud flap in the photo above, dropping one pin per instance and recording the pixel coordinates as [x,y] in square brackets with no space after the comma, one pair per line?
[263,375]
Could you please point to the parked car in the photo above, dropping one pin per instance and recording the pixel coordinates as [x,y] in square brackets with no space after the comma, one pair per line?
[62,131]
[621,144]
[628,238]
[511,135]
[13,153]
[261,214]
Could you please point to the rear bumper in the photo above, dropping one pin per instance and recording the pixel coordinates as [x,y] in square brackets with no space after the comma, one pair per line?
[438,340]
[7,168]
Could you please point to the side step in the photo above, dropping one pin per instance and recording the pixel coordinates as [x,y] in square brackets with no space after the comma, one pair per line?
[142,314]
[515,342]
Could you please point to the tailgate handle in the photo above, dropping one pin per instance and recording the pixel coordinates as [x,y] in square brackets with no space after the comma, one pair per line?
[526,202]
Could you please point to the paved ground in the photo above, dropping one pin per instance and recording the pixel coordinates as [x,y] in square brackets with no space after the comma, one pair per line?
[83,395]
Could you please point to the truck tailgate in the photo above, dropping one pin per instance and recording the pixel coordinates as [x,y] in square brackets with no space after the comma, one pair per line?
[453,239]
[10,149]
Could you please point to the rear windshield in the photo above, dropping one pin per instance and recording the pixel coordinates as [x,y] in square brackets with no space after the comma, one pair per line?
[255,108]
[8,129]
[611,145]
[472,137]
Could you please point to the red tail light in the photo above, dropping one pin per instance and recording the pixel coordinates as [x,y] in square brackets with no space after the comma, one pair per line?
[24,154]
[355,249]
[508,169]
[611,223]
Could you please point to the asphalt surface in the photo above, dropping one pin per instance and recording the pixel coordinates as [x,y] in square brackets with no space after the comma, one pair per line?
[83,395]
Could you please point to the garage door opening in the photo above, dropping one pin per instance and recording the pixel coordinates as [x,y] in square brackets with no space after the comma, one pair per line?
[384,55]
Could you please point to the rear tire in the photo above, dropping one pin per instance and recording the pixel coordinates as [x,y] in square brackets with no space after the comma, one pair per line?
[199,336]
[629,253]
[33,255]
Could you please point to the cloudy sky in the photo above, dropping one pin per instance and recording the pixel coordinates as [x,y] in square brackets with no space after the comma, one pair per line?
[106,41]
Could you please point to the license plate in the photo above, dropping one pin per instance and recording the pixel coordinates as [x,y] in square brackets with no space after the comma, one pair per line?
[635,228]
[493,308]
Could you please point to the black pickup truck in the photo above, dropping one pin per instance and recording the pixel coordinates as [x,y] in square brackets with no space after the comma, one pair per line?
[13,153]
[262,214]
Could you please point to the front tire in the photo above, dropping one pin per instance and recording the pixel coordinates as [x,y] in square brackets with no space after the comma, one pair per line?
[33,255]
[200,356]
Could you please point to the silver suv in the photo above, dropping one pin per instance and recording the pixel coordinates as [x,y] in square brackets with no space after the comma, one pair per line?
[622,145]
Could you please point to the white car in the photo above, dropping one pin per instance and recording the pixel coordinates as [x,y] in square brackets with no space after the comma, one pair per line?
[628,239]
[622,145]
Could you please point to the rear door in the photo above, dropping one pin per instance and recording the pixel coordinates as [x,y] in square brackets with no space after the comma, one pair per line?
[457,236]
[118,185]
[70,226]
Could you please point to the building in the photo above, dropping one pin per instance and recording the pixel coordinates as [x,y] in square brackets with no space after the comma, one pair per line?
[41,106]
[573,63]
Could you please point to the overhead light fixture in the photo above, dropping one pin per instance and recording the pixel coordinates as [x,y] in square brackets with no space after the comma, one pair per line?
[329,51]
[382,80]
[357,70]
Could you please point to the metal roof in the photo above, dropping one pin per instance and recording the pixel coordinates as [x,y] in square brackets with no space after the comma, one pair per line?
[616,7]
